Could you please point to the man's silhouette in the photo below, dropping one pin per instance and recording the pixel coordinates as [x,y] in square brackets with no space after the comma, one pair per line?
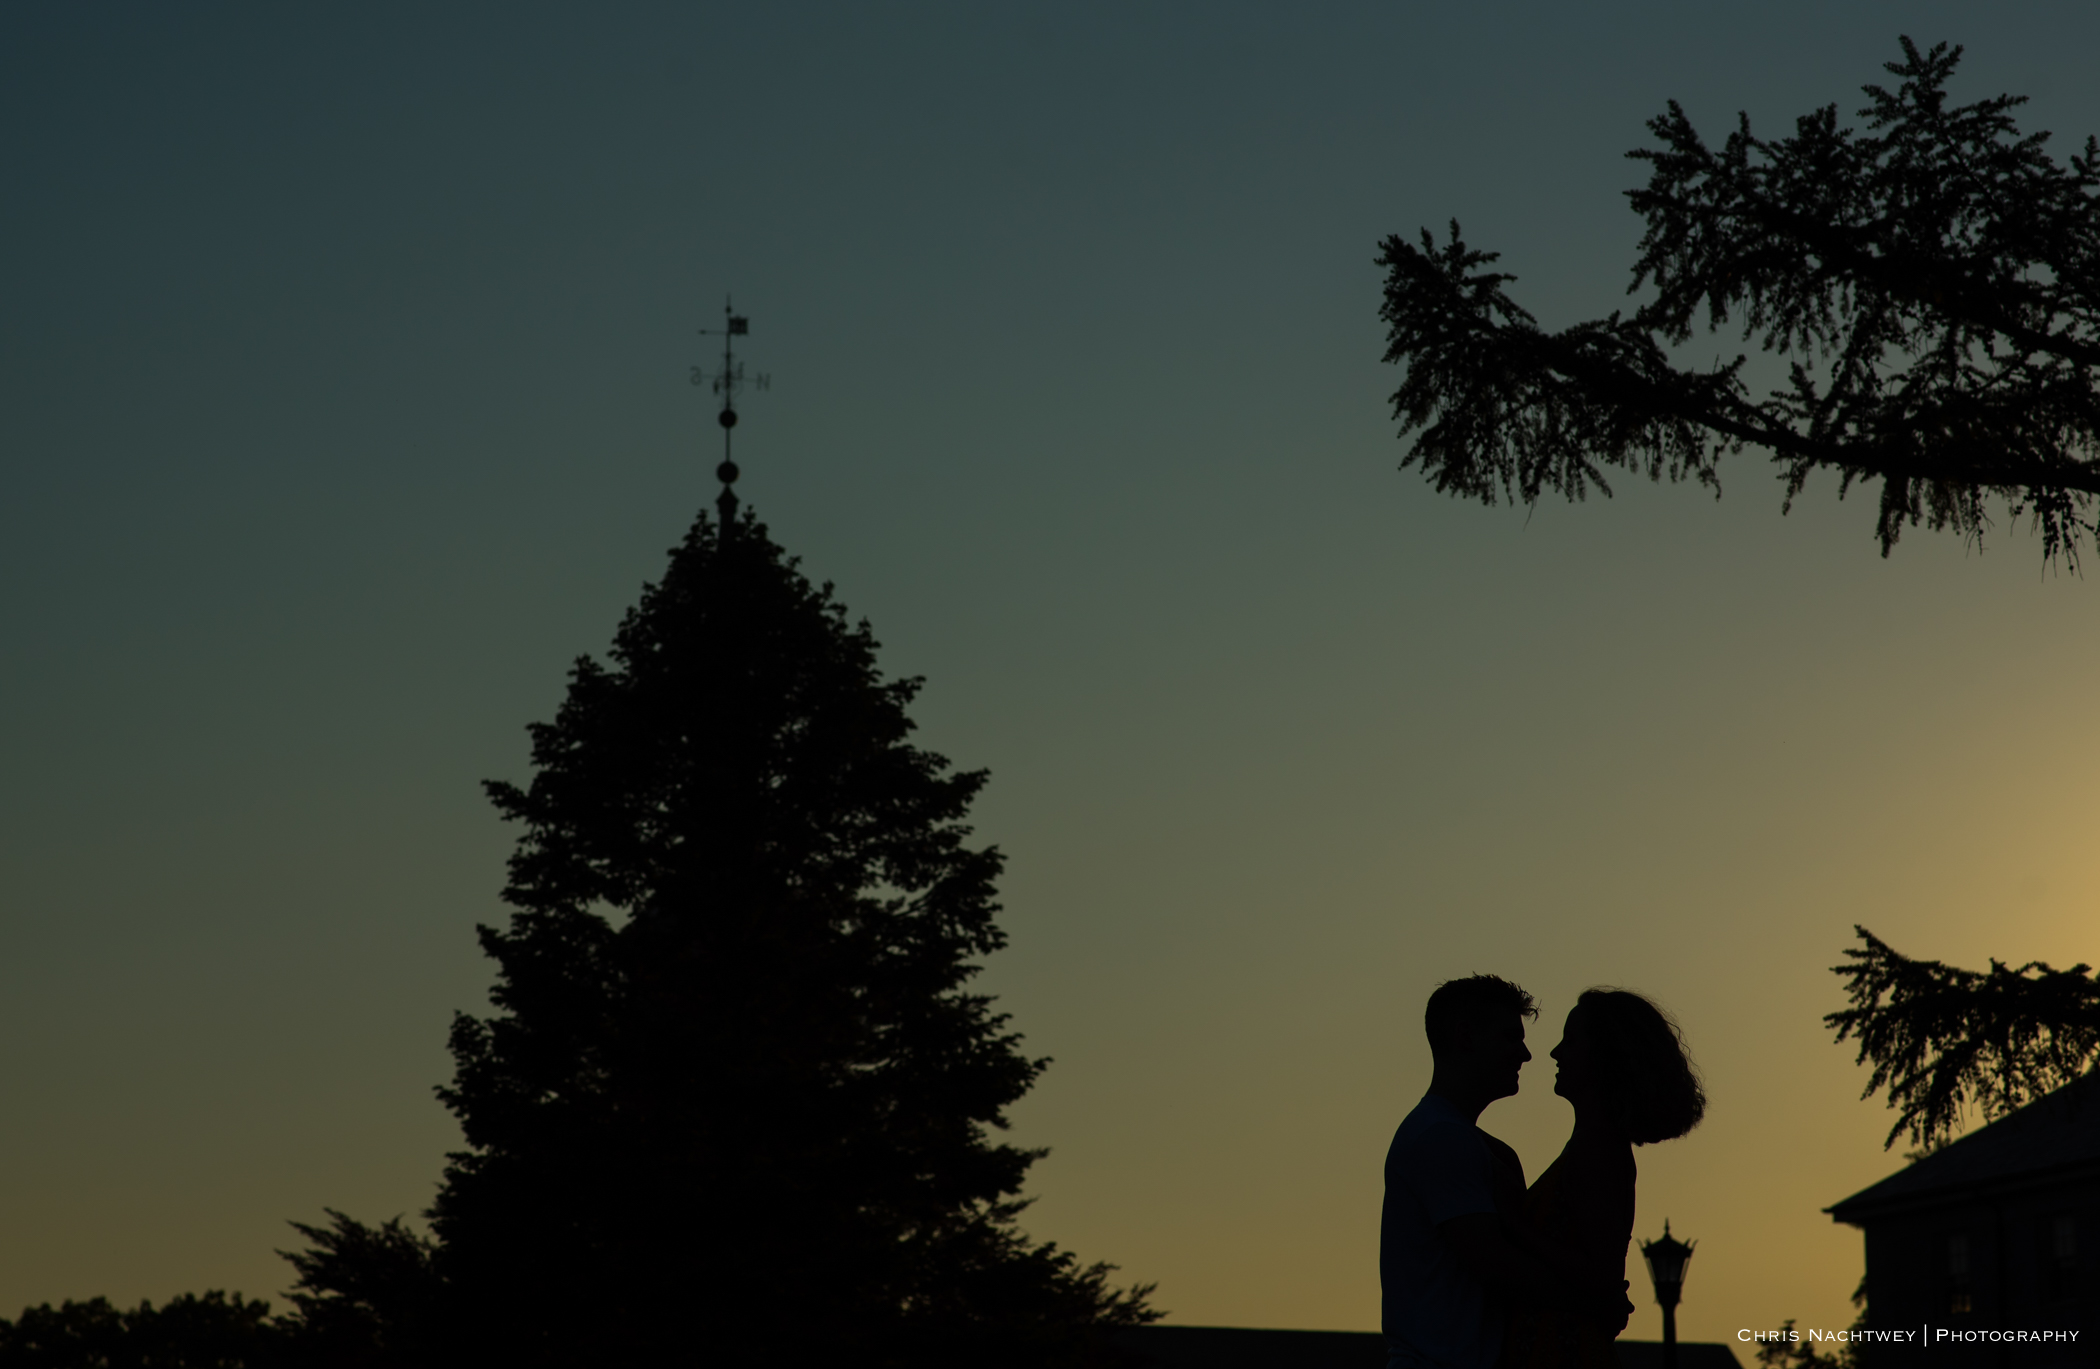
[1451,1255]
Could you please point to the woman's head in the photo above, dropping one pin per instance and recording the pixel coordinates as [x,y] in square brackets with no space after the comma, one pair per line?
[1627,1055]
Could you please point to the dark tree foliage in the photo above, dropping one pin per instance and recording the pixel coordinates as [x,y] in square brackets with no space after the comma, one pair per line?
[1935,280]
[736,1105]
[214,1331]
[365,1297]
[363,1300]
[1941,1038]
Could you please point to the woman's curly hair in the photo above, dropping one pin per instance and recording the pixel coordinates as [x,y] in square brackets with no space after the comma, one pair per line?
[1642,1066]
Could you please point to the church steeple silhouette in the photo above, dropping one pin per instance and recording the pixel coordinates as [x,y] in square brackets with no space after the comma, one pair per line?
[728,382]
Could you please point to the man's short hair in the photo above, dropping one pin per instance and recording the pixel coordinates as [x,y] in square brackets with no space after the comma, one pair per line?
[1459,1004]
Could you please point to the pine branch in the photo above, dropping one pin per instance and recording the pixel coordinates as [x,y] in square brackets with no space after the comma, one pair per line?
[1941,1038]
[1933,279]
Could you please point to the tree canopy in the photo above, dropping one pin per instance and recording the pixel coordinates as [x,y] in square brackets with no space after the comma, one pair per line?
[736,1102]
[214,1331]
[1934,281]
[1942,1039]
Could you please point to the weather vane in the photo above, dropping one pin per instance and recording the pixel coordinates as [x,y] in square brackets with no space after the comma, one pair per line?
[729,382]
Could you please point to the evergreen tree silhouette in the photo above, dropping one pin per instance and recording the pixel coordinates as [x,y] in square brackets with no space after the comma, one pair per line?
[736,1105]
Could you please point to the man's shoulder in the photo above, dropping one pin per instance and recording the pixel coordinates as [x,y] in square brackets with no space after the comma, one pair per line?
[1448,1164]
[1435,1124]
[1508,1168]
[1499,1148]
[1436,1112]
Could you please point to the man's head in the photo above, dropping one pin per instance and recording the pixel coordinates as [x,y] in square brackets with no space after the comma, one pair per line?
[1476,1035]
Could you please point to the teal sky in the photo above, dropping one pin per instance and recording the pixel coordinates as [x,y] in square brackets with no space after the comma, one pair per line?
[343,403]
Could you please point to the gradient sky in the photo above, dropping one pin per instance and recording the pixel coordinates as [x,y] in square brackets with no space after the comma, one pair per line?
[343,403]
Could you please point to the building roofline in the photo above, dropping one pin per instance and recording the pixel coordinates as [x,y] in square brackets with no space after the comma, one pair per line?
[2049,1139]
[1851,1211]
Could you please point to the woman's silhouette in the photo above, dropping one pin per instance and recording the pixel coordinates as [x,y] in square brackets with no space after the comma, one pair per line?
[1623,1066]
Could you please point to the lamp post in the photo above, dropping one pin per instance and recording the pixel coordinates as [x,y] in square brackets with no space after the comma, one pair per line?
[1666,1261]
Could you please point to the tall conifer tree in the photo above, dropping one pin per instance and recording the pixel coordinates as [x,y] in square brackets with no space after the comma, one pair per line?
[736,1104]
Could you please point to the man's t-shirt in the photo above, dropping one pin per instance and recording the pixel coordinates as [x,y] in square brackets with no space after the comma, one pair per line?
[1440,1166]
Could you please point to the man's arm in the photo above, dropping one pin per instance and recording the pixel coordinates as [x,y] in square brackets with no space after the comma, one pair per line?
[1486,1253]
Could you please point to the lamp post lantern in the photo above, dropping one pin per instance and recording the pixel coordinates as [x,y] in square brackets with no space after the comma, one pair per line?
[1667,1259]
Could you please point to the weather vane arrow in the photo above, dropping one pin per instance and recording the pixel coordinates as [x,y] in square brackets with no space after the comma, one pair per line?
[729,382]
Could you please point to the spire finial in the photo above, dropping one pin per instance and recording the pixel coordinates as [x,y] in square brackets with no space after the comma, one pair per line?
[728,382]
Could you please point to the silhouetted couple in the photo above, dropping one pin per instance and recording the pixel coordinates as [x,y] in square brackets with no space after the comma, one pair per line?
[1480,1273]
